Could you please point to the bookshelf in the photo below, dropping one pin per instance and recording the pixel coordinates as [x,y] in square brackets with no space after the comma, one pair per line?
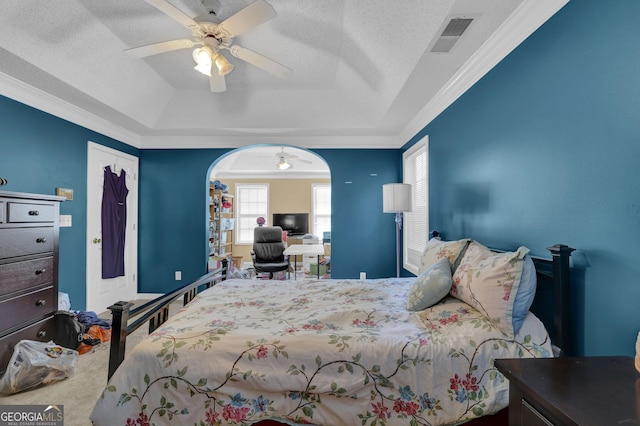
[221,226]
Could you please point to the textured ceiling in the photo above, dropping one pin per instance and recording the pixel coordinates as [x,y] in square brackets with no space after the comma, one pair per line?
[362,73]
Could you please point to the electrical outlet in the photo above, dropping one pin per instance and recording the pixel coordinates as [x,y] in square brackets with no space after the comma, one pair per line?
[178,275]
[65,220]
[363,275]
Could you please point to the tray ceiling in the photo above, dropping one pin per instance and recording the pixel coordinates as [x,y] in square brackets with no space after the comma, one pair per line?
[363,72]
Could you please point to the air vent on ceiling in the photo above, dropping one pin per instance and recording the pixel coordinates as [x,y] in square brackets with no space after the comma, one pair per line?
[451,33]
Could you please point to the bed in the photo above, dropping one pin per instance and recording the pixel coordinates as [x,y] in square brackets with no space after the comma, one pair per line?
[327,352]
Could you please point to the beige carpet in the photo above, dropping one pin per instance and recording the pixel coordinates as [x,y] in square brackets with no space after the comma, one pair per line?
[78,393]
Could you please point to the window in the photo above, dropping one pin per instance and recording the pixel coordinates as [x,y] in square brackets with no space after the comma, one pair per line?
[321,209]
[251,203]
[415,167]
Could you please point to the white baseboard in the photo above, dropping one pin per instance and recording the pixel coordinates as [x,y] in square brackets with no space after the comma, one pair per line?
[149,296]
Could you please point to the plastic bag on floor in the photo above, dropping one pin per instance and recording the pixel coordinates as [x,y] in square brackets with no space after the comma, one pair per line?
[37,363]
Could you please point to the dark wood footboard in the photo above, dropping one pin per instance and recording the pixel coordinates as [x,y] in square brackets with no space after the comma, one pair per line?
[155,312]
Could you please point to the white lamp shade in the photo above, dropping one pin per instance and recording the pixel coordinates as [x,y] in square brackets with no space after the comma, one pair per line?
[283,165]
[224,66]
[396,197]
[202,56]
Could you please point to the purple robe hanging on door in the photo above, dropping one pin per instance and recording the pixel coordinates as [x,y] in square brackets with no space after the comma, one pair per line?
[114,223]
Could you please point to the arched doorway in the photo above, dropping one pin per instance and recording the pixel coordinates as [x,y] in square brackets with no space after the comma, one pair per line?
[268,181]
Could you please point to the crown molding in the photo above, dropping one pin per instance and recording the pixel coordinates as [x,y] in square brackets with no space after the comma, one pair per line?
[523,22]
[239,141]
[276,174]
[39,99]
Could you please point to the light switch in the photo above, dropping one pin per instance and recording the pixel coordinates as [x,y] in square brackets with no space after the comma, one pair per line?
[65,220]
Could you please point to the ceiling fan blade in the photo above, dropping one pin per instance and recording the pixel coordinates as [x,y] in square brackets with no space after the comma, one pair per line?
[217,83]
[253,15]
[174,13]
[156,48]
[260,61]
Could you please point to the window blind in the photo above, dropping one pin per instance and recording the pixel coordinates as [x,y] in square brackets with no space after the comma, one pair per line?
[416,222]
[321,209]
[251,203]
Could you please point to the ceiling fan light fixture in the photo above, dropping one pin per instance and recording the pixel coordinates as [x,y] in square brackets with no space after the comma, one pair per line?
[203,57]
[283,165]
[223,65]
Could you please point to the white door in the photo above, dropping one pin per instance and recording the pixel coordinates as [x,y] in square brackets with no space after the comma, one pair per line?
[102,293]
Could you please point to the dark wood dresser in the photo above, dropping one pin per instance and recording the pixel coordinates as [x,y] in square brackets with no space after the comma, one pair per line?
[28,268]
[572,391]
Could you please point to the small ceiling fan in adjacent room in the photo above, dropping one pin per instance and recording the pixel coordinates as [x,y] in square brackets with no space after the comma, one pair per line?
[211,37]
[285,160]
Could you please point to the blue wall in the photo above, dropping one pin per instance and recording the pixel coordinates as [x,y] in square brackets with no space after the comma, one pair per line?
[362,237]
[545,149]
[174,202]
[173,216]
[39,153]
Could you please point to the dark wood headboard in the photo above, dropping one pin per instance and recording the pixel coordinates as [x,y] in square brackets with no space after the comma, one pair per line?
[553,302]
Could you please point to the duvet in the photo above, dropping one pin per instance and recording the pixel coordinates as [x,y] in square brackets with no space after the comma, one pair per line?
[323,352]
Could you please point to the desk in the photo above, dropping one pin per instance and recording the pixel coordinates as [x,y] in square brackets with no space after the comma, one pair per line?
[302,249]
[572,391]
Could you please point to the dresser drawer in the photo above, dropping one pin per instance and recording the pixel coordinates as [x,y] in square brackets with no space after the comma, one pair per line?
[532,417]
[28,212]
[23,241]
[42,331]
[22,275]
[26,307]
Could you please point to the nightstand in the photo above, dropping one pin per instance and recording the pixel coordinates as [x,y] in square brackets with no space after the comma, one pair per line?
[572,391]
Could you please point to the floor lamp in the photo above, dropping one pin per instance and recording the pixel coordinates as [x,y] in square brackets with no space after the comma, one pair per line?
[396,198]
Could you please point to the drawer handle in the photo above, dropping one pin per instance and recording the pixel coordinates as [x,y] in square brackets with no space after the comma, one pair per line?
[34,213]
[41,302]
[40,271]
[41,240]
[42,333]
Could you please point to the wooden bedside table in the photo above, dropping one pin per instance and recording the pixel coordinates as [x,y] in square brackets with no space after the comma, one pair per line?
[572,391]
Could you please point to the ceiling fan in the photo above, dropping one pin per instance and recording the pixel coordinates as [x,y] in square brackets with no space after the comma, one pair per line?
[285,159]
[212,37]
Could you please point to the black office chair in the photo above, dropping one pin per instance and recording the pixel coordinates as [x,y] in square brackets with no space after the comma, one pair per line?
[268,249]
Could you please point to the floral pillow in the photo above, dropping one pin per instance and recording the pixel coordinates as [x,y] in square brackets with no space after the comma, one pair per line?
[431,286]
[437,249]
[489,282]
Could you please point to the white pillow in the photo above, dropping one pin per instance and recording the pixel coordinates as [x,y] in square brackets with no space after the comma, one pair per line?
[431,286]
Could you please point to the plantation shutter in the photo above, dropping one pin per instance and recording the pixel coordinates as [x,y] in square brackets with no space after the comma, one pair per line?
[416,222]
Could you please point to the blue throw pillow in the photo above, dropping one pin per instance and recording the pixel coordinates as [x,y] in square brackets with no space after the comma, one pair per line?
[431,286]
[526,293]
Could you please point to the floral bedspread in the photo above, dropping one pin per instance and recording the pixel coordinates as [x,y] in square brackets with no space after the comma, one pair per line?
[327,352]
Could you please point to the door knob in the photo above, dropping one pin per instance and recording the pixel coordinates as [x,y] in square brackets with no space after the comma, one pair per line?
[96,240]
